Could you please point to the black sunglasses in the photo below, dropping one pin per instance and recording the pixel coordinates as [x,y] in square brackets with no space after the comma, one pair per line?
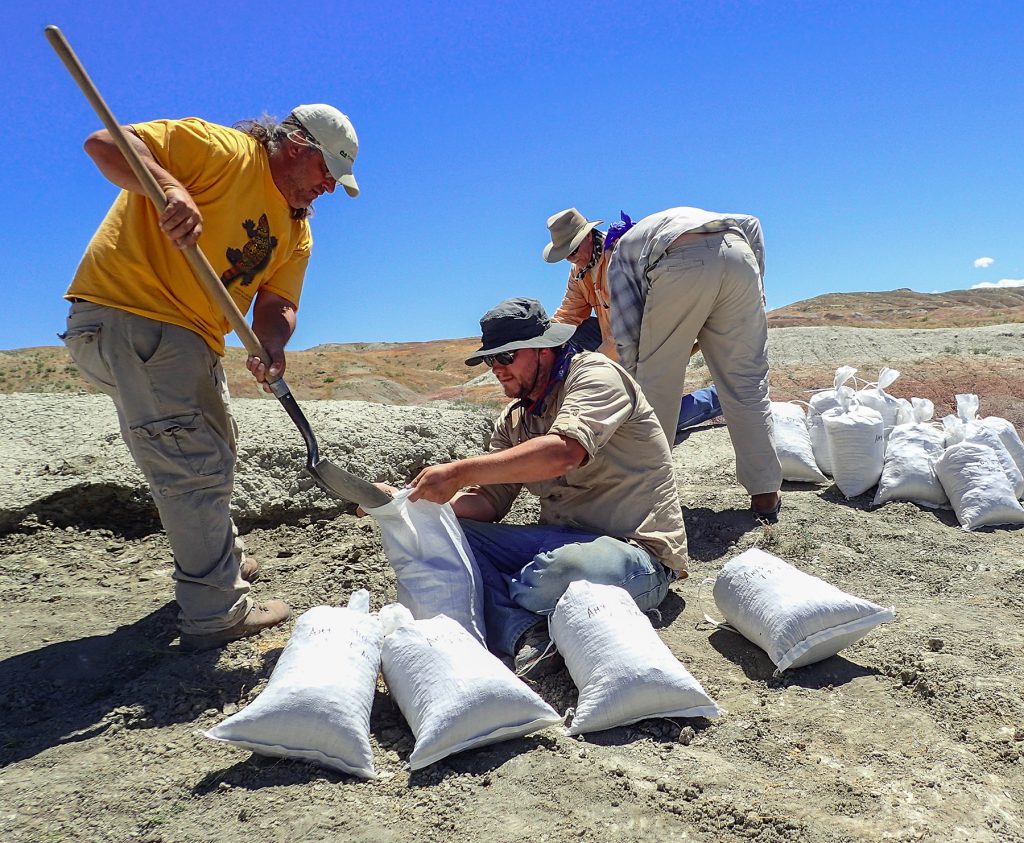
[505,358]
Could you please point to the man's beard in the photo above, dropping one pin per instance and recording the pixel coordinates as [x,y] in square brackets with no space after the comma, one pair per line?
[524,393]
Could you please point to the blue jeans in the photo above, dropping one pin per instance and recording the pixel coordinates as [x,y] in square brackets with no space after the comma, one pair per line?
[698,406]
[525,569]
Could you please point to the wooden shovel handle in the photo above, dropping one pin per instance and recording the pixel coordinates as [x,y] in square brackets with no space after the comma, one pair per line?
[200,265]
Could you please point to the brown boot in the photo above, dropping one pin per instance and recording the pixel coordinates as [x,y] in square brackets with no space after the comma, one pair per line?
[261,616]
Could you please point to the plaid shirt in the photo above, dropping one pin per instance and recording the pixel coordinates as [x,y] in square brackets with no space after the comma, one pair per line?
[640,249]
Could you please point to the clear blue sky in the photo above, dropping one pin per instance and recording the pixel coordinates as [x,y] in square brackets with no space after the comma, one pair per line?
[879,143]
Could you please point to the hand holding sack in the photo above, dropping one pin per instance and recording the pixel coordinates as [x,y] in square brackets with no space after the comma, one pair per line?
[434,565]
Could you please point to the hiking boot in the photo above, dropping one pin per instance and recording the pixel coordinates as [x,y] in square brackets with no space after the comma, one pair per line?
[536,655]
[260,617]
[249,569]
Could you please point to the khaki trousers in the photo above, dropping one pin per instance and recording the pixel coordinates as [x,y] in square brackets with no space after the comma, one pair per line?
[709,289]
[172,404]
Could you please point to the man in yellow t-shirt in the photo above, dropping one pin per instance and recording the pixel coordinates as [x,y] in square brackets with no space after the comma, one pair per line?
[142,329]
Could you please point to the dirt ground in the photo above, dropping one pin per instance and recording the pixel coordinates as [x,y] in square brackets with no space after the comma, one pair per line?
[914,733]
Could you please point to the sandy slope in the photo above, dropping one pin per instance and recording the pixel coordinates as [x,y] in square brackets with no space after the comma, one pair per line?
[914,733]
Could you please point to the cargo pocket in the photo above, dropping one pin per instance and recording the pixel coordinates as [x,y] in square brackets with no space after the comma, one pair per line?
[83,344]
[181,454]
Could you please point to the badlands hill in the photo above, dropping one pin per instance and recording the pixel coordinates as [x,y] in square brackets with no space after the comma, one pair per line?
[415,373]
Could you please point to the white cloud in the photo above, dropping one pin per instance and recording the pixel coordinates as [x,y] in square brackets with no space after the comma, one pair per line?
[1003,282]
[984,263]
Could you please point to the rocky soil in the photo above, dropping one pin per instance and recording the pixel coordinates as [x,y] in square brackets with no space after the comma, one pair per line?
[914,733]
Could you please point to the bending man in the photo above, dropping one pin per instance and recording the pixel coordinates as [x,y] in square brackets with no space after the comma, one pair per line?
[686,275]
[142,330]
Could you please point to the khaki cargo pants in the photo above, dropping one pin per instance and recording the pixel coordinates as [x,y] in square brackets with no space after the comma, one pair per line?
[709,289]
[172,403]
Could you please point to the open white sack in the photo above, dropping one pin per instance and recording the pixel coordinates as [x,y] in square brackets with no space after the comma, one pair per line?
[623,670]
[434,565]
[793,444]
[908,473]
[316,706]
[796,618]
[454,694]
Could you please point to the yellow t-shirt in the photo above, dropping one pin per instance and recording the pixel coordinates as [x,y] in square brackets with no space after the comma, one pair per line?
[248,236]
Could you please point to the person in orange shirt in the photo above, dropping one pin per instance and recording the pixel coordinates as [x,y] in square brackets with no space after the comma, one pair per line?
[576,239]
[142,330]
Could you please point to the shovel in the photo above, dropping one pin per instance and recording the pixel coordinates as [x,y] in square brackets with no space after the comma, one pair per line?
[328,476]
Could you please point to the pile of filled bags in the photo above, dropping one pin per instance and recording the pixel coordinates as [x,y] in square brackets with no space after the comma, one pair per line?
[455,695]
[866,438]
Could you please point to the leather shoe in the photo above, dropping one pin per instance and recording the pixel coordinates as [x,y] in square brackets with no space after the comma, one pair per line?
[770,515]
[260,616]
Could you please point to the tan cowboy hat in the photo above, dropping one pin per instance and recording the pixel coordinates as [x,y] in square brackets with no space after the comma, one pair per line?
[568,228]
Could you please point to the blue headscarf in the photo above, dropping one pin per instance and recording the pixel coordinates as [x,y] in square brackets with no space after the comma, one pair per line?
[616,230]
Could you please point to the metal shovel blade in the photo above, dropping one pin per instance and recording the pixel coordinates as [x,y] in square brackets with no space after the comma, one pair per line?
[342,484]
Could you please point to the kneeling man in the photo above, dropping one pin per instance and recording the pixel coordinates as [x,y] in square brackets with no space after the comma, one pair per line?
[584,439]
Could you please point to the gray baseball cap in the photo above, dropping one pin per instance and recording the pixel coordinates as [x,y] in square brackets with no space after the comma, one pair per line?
[336,139]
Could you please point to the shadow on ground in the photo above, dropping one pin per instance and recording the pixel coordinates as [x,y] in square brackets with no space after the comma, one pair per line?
[129,678]
[756,665]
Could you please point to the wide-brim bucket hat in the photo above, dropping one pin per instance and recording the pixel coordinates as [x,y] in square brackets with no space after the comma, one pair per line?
[518,323]
[568,228]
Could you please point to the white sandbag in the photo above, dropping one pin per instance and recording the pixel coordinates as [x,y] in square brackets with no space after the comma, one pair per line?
[1008,435]
[958,431]
[967,410]
[796,618]
[875,397]
[793,444]
[856,444]
[316,706]
[908,473]
[623,670]
[434,565]
[977,487]
[819,403]
[454,694]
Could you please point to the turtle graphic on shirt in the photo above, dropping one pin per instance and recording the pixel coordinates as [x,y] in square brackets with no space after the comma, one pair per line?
[253,256]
